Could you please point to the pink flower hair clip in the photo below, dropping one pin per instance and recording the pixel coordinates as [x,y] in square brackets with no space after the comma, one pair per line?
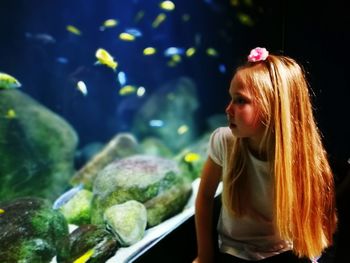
[258,54]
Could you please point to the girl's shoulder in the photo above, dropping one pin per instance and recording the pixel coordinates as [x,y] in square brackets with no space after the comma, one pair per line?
[222,134]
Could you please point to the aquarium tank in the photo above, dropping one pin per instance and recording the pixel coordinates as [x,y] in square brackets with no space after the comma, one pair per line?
[107,106]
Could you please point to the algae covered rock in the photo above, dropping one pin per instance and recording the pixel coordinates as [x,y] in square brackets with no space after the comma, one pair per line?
[31,231]
[127,221]
[37,148]
[140,178]
[167,204]
[91,242]
[77,210]
[120,146]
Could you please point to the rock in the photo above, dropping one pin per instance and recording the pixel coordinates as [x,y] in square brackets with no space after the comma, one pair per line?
[173,107]
[99,243]
[167,204]
[122,145]
[127,221]
[31,231]
[36,147]
[139,177]
[77,210]
[154,146]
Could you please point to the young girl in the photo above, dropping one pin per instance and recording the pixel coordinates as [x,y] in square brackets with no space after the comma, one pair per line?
[278,191]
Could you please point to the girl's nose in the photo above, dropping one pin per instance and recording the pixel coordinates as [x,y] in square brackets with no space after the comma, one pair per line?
[229,109]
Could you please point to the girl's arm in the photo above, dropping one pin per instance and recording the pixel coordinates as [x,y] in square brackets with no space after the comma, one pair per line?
[210,178]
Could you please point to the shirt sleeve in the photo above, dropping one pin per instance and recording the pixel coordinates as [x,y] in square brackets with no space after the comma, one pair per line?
[215,148]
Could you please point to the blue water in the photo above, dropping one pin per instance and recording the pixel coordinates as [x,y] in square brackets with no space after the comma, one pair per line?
[49,60]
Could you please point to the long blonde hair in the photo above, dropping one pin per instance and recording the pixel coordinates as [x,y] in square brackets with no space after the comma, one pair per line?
[304,202]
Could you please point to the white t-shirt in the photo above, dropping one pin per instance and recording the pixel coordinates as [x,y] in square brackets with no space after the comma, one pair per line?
[247,237]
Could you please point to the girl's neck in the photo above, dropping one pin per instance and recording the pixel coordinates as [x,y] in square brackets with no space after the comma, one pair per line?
[255,150]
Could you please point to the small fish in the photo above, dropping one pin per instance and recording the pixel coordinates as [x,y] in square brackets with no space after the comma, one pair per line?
[133,31]
[85,257]
[245,19]
[2,211]
[104,58]
[167,5]
[190,52]
[140,91]
[170,51]
[11,114]
[67,196]
[41,37]
[212,52]
[110,23]
[158,20]
[234,2]
[8,82]
[121,78]
[192,157]
[140,14]
[149,51]
[186,17]
[62,60]
[126,36]
[222,68]
[127,90]
[81,86]
[182,129]
[73,30]
[156,123]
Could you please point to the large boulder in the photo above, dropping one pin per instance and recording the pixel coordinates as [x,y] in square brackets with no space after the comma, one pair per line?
[36,147]
[169,114]
[31,231]
[141,178]
[120,146]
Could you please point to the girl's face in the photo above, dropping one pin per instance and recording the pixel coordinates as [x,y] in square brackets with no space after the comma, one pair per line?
[243,114]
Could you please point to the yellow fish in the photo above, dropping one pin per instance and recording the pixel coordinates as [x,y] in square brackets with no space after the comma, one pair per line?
[245,19]
[190,52]
[149,51]
[126,37]
[8,82]
[110,23]
[2,211]
[167,5]
[85,257]
[73,30]
[159,19]
[192,157]
[212,52]
[182,129]
[10,114]
[126,90]
[104,58]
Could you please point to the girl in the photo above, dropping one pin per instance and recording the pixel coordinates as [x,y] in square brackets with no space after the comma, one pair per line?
[278,191]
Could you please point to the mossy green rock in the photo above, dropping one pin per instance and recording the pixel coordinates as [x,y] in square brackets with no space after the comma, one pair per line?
[140,178]
[31,231]
[90,237]
[77,210]
[36,147]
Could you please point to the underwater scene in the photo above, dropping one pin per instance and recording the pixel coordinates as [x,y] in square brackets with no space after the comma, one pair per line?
[106,108]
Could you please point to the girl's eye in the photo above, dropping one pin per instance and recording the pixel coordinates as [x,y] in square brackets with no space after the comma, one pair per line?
[239,101]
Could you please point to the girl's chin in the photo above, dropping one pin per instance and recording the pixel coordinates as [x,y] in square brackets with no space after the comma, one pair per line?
[232,126]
